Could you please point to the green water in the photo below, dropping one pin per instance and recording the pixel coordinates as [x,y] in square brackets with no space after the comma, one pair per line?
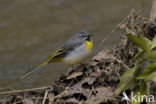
[30,30]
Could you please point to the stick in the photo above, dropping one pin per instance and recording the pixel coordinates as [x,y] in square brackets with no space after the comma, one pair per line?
[45,96]
[124,65]
[26,90]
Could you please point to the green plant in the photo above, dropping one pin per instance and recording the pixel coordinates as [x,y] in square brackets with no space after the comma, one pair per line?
[144,69]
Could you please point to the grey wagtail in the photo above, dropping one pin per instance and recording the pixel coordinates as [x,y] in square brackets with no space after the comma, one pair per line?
[74,51]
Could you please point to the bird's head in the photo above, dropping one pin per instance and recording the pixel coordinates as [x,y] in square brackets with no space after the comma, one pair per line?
[83,35]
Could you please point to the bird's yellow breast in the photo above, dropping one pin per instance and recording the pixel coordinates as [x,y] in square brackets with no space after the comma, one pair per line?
[89,45]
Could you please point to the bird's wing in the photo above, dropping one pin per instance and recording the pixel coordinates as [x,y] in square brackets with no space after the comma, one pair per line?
[63,51]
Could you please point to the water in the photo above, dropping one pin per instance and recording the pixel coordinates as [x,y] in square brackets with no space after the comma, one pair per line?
[30,30]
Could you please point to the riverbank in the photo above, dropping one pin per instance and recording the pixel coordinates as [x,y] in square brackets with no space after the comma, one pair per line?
[94,82]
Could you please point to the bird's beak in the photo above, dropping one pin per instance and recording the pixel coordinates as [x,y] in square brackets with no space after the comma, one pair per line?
[89,35]
[89,38]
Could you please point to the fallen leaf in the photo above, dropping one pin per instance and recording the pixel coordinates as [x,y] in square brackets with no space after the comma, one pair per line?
[74,75]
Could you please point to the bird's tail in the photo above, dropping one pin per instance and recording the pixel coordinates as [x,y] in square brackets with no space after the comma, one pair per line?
[53,58]
[33,69]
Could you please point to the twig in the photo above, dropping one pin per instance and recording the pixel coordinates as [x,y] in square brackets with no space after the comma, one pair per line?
[91,92]
[124,65]
[60,95]
[36,101]
[26,90]
[45,96]
[119,24]
[102,43]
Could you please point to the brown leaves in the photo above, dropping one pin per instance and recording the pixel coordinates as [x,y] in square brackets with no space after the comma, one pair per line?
[105,55]
[102,94]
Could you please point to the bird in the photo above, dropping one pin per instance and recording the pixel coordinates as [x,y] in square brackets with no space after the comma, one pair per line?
[72,52]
